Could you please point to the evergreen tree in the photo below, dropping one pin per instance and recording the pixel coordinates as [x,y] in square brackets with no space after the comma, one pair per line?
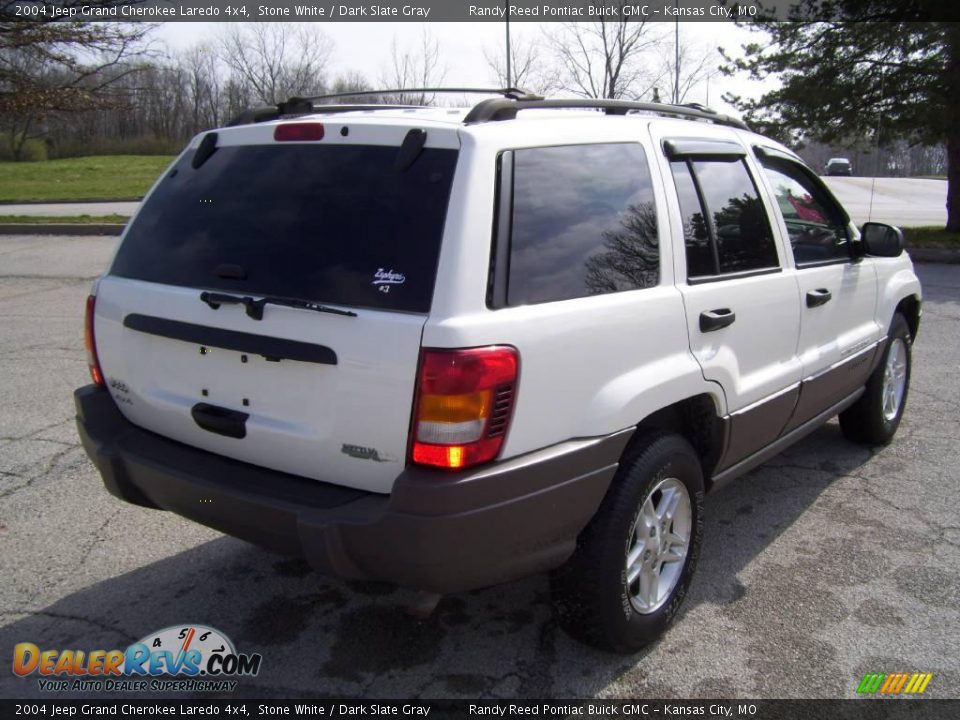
[861,69]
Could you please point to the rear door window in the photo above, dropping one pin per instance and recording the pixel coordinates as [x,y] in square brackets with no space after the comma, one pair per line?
[701,260]
[336,224]
[584,223]
[726,228]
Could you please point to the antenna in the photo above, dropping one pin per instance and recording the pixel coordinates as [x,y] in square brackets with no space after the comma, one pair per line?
[676,59]
[876,151]
[507,17]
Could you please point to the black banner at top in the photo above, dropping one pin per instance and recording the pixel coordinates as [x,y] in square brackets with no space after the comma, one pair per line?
[465,10]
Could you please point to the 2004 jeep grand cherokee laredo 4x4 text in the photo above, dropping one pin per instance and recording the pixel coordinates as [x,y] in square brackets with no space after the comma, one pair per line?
[450,348]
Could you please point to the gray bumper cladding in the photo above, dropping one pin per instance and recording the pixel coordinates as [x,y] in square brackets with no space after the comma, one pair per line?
[437,531]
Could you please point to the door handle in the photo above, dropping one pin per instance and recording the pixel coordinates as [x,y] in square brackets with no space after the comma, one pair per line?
[220,420]
[711,320]
[820,296]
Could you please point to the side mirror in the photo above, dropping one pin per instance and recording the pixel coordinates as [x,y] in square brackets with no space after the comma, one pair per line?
[881,240]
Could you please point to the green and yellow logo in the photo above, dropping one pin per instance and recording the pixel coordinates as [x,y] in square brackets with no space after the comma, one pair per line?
[894,683]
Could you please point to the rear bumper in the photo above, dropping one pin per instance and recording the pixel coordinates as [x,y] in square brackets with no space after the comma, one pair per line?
[437,531]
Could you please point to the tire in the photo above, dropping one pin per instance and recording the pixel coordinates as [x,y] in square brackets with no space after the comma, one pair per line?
[875,417]
[595,600]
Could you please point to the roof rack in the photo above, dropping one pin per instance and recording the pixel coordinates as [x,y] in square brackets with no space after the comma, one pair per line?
[509,93]
[304,105]
[492,110]
[497,109]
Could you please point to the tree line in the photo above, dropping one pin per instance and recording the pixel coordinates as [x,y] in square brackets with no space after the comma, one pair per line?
[100,87]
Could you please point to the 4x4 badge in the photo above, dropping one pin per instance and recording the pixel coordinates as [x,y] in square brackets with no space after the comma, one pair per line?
[383,279]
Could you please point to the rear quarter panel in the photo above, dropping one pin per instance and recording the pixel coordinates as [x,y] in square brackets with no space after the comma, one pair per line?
[588,366]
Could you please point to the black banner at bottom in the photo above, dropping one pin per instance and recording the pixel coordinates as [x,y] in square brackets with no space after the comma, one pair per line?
[859,709]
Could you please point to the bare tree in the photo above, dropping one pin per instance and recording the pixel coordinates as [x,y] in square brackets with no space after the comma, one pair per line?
[48,67]
[158,103]
[419,67]
[276,60]
[351,81]
[697,63]
[530,69]
[203,77]
[605,58]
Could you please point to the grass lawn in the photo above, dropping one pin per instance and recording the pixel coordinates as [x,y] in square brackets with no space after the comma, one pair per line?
[930,237]
[99,177]
[70,219]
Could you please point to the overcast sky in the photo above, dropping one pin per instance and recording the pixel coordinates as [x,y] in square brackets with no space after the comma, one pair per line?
[365,47]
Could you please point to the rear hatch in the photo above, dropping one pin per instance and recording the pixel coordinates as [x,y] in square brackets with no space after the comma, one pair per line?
[268,305]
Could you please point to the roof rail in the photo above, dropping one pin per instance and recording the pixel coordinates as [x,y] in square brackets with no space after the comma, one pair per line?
[492,110]
[304,105]
[510,93]
[497,109]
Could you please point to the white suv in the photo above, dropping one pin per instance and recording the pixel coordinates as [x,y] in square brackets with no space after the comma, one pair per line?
[450,348]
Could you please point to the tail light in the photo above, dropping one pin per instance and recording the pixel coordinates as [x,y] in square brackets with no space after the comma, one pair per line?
[91,344]
[463,405]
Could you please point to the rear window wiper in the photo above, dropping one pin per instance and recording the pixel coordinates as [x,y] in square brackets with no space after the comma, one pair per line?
[254,307]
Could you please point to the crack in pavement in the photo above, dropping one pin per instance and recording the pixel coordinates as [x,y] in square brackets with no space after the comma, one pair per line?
[33,433]
[18,351]
[65,616]
[48,468]
[936,397]
[35,291]
[939,529]
[939,316]
[97,537]
[10,439]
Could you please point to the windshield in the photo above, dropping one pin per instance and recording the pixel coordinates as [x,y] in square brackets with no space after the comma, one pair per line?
[333,224]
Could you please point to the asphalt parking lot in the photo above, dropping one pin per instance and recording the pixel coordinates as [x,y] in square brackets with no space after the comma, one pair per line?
[826,563]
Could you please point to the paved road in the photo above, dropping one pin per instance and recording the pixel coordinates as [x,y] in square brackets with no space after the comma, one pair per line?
[68,209]
[826,563]
[905,202]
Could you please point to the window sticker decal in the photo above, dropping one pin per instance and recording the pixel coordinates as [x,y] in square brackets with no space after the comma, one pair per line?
[384,279]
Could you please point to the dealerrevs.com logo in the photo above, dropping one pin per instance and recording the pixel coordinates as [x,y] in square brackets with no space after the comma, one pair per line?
[180,658]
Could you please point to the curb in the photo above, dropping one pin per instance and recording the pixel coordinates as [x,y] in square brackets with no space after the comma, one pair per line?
[71,201]
[60,229]
[934,255]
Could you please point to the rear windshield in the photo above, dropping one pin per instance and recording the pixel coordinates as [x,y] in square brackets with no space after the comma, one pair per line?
[336,224]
